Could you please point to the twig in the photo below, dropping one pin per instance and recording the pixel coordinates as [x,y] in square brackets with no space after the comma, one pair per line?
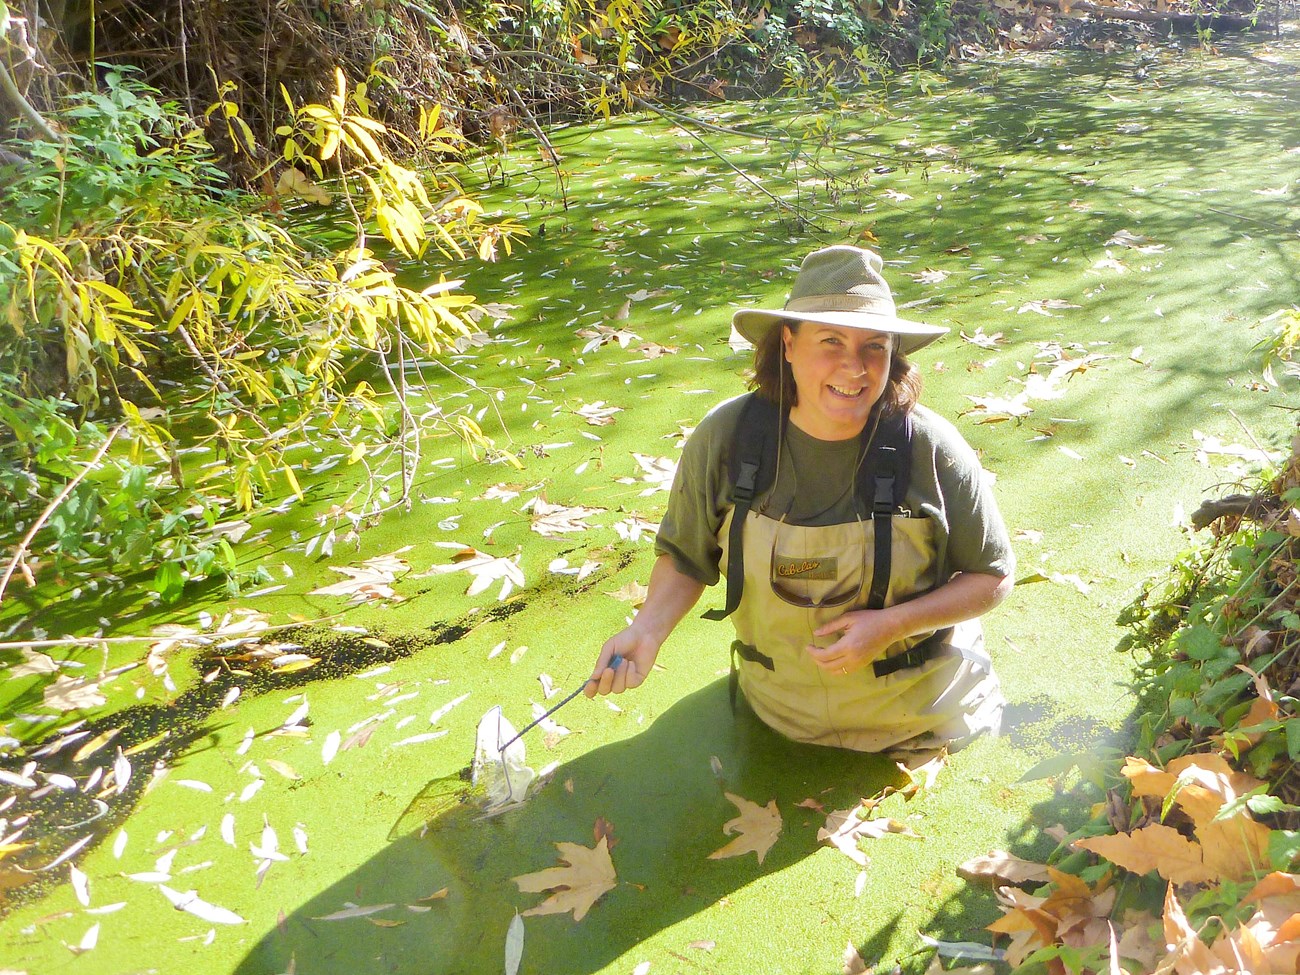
[549,154]
[1246,430]
[25,108]
[53,506]
[687,123]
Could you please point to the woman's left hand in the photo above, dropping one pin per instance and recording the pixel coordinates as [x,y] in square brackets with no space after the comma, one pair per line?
[864,636]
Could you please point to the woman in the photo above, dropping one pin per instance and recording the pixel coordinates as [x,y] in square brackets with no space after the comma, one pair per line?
[871,545]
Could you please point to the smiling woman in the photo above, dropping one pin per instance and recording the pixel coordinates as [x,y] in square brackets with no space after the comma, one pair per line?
[854,528]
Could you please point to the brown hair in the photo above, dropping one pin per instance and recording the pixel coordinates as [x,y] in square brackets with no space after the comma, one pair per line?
[774,380]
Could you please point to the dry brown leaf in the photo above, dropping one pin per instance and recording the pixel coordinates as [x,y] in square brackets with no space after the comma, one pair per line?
[585,876]
[1234,848]
[757,828]
[1187,951]
[921,778]
[70,693]
[1154,847]
[852,961]
[843,829]
[999,868]
[633,593]
[550,520]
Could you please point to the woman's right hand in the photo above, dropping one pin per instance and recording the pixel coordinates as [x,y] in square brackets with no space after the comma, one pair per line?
[638,653]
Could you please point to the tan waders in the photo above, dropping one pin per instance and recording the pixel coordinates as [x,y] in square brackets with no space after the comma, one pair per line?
[798,578]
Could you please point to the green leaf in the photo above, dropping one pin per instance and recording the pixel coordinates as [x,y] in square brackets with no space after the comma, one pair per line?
[1050,767]
[1292,729]
[1201,643]
[1265,804]
[1283,848]
[169,581]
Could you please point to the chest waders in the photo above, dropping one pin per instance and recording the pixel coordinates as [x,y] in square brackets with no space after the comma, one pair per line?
[784,581]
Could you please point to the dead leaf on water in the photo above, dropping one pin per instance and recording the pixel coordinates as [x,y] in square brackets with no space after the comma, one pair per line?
[587,874]
[756,828]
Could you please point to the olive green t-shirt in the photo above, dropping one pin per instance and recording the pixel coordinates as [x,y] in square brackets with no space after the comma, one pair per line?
[815,486]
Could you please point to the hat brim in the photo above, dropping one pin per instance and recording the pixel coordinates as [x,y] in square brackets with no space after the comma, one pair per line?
[753,324]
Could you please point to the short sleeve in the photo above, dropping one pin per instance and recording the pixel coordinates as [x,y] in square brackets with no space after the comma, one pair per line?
[697,502]
[977,536]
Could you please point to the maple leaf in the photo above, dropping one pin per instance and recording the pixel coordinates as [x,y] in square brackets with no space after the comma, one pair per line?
[756,828]
[999,867]
[605,334]
[658,472]
[33,663]
[844,828]
[978,337]
[633,593]
[1154,847]
[1187,951]
[1138,242]
[370,581]
[922,777]
[631,529]
[586,875]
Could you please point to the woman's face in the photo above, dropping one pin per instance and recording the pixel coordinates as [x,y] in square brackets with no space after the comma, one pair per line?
[839,373]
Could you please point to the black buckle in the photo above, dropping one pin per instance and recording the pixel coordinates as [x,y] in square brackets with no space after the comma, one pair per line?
[743,489]
[902,661]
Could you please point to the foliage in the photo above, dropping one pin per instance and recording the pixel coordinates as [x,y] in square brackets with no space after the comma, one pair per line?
[137,284]
[1208,802]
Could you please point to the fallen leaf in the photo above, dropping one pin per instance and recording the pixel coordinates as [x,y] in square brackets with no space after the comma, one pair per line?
[550,520]
[486,569]
[514,944]
[756,828]
[191,903]
[852,963]
[72,693]
[1154,847]
[844,828]
[353,910]
[586,875]
[998,868]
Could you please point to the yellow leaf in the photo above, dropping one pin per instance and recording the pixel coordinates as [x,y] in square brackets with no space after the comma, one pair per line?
[586,875]
[757,828]
[1235,848]
[1154,847]
[292,478]
[294,182]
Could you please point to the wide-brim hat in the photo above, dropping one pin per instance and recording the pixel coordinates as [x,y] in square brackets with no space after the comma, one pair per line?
[840,285]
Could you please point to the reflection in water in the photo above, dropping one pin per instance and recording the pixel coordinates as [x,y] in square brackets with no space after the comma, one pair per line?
[447,871]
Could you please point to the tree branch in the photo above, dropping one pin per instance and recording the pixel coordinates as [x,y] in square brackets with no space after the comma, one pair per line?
[25,109]
[23,546]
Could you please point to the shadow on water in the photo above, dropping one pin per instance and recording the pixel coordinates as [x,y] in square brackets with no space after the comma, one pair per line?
[448,880]
[660,794]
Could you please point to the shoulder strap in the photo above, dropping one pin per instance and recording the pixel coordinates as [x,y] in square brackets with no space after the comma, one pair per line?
[883,482]
[752,467]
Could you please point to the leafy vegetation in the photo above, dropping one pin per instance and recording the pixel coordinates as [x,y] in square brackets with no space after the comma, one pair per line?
[144,294]
[1188,862]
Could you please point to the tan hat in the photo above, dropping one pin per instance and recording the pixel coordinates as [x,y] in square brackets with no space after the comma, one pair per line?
[840,285]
